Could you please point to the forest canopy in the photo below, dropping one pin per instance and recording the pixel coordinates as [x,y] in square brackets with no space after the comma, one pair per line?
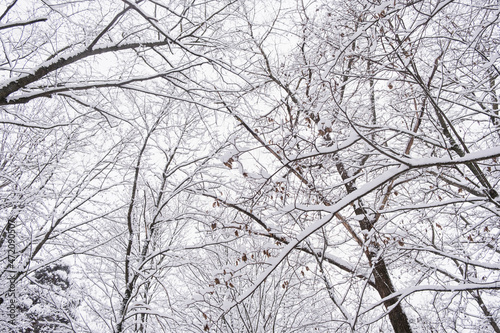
[249,166]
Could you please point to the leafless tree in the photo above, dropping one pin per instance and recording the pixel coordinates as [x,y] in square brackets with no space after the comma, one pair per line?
[377,135]
[94,96]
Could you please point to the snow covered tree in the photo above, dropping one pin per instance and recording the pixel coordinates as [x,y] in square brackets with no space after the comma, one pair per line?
[101,105]
[255,166]
[375,125]
[48,304]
